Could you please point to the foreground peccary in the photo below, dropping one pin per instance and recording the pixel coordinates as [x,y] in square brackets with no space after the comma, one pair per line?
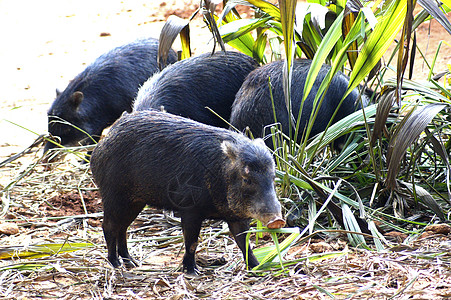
[96,97]
[187,87]
[253,106]
[203,172]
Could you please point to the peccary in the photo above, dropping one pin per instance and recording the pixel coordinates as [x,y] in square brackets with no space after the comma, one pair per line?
[96,97]
[253,106]
[187,87]
[203,172]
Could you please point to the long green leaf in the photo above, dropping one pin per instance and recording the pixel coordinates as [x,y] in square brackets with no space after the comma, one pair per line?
[267,7]
[238,28]
[243,43]
[434,10]
[424,88]
[329,41]
[351,224]
[378,42]
[287,16]
[258,53]
[339,128]
[275,251]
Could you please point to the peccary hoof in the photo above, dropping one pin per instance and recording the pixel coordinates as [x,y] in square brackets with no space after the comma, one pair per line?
[130,263]
[191,271]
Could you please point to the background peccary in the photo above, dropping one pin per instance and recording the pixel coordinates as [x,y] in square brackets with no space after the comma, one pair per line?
[253,107]
[188,86]
[96,97]
[170,162]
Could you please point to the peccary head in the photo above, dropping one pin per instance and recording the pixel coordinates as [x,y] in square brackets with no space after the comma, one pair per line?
[250,172]
[66,120]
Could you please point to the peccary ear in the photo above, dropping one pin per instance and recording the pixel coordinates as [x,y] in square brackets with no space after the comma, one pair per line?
[75,99]
[58,92]
[229,149]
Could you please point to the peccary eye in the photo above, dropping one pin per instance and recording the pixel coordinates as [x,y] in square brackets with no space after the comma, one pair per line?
[246,181]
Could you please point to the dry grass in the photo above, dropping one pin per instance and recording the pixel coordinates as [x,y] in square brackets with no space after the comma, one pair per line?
[419,270]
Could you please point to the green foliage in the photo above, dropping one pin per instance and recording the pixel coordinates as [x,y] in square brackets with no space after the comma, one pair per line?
[352,37]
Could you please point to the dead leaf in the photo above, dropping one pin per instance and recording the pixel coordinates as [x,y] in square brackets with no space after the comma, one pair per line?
[9,228]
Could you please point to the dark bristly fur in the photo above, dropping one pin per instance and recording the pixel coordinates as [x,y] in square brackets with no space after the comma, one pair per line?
[253,107]
[170,162]
[96,97]
[187,87]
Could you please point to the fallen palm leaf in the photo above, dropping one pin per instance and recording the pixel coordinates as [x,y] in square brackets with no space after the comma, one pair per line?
[35,251]
[408,132]
[173,27]
[424,197]
[350,223]
[24,267]
[384,107]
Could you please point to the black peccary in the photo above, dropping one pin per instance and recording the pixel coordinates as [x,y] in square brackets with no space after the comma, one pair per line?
[187,87]
[203,172]
[96,97]
[253,106]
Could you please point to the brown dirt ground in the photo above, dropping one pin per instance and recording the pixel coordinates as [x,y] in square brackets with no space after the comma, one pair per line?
[48,42]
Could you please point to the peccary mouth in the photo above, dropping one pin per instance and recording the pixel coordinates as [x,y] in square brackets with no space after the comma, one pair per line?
[272,221]
[276,223]
[270,216]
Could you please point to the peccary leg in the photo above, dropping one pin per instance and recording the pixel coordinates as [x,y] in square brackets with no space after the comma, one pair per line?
[115,224]
[191,225]
[238,229]
[122,249]
[110,234]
